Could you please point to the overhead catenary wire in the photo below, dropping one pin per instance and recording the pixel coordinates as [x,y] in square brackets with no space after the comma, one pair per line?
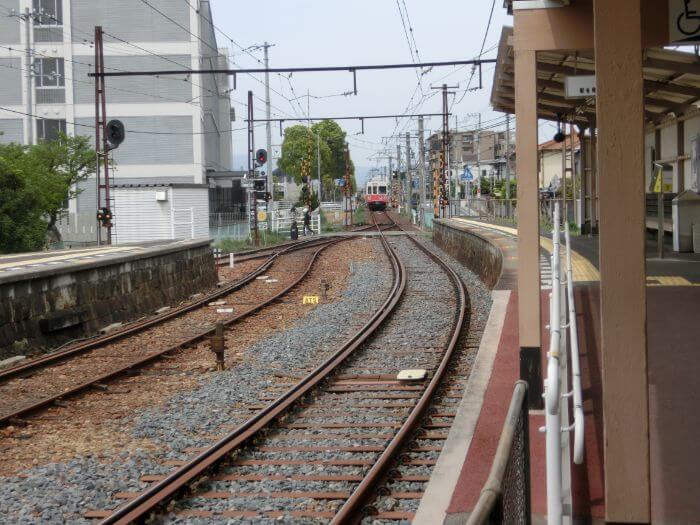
[235,43]
[483,45]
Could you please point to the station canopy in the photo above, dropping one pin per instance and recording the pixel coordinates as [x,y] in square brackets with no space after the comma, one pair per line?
[671,83]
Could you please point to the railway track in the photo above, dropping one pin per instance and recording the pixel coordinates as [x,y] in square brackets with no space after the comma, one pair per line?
[346,440]
[53,378]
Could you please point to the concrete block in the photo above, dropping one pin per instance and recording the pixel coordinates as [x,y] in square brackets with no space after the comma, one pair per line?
[111,328]
[11,361]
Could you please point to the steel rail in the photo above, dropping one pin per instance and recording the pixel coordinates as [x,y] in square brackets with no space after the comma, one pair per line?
[138,509]
[156,355]
[354,508]
[259,253]
[138,326]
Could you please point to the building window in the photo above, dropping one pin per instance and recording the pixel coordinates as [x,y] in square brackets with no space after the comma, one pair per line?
[49,72]
[48,129]
[49,12]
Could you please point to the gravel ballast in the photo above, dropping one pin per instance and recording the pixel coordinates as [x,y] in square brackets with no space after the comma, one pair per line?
[62,492]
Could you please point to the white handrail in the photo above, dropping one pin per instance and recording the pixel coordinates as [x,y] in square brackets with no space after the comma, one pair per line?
[552,385]
[575,361]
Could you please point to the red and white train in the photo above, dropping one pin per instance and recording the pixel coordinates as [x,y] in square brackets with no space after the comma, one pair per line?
[377,194]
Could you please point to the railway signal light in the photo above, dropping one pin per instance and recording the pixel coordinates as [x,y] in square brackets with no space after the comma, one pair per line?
[104,215]
[115,133]
[261,156]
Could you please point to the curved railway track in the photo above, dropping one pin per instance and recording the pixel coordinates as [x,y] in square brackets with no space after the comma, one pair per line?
[100,369]
[352,383]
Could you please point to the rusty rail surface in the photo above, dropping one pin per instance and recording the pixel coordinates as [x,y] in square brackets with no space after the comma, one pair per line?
[356,506]
[138,326]
[259,253]
[139,508]
[156,355]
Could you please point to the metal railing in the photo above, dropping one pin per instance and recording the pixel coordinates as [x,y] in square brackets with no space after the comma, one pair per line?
[561,319]
[505,498]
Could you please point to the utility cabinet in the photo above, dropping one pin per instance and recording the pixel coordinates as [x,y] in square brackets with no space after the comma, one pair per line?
[159,212]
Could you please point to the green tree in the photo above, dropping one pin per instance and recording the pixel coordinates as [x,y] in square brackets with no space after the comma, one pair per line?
[36,183]
[295,149]
[334,136]
[67,161]
[22,224]
[332,146]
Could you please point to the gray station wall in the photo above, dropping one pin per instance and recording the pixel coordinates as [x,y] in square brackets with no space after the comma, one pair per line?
[476,253]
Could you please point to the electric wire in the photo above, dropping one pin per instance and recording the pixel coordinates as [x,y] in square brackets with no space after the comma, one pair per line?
[143,132]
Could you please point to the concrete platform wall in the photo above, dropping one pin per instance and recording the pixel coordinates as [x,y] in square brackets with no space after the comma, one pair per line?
[477,253]
[51,306]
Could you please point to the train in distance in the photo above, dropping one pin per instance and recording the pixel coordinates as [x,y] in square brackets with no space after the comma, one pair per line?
[377,194]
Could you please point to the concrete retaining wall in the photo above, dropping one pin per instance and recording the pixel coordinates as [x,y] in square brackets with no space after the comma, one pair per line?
[474,251]
[51,306]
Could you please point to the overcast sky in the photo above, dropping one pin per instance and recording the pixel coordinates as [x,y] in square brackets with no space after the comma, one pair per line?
[333,32]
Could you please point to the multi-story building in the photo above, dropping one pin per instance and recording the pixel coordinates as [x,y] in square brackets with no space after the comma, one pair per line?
[485,149]
[178,127]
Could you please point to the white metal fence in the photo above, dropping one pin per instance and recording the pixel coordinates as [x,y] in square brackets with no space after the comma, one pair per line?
[77,228]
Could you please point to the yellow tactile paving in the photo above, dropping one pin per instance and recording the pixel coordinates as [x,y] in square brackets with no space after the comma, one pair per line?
[582,268]
[57,252]
[67,256]
[668,280]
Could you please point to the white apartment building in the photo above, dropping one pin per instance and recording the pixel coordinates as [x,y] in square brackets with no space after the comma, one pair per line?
[178,127]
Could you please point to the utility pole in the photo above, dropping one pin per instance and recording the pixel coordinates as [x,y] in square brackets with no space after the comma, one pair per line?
[251,169]
[409,179]
[421,167]
[268,128]
[29,66]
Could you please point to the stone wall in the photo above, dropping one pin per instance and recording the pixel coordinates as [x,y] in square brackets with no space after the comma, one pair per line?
[475,252]
[49,307]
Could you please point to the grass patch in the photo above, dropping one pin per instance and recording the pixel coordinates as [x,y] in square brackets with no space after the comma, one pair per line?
[266,239]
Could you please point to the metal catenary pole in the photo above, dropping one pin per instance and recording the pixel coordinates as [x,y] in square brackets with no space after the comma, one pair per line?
[421,165]
[346,188]
[318,166]
[251,172]
[101,142]
[97,141]
[478,155]
[409,179]
[268,128]
[390,178]
[398,173]
[445,152]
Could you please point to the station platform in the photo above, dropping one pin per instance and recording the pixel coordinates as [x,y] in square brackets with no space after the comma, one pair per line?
[49,298]
[674,365]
